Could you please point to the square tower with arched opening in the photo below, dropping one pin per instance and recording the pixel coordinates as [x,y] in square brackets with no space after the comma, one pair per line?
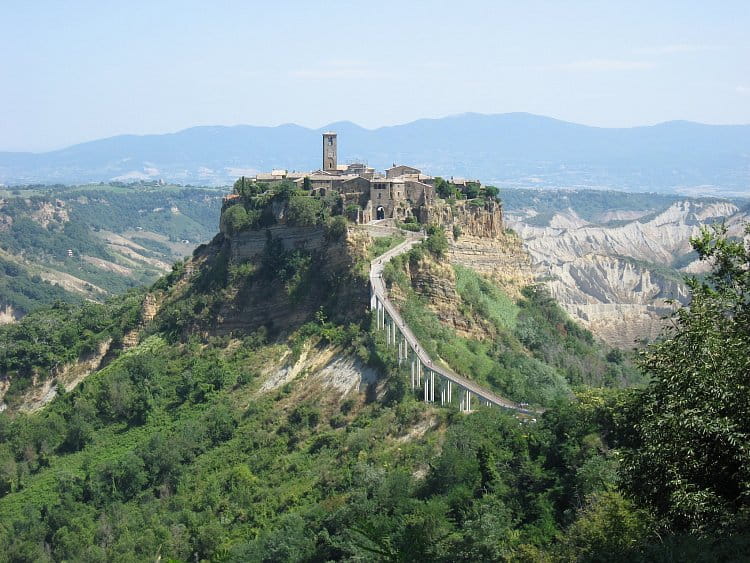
[329,152]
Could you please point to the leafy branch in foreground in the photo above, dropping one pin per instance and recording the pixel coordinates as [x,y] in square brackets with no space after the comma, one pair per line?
[690,458]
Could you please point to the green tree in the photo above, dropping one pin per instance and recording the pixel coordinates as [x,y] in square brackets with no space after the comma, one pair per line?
[437,242]
[690,454]
[491,192]
[303,211]
[608,527]
[119,480]
[443,188]
[471,190]
[236,219]
[284,190]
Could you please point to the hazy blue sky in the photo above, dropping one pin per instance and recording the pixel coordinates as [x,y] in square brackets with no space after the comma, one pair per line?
[75,71]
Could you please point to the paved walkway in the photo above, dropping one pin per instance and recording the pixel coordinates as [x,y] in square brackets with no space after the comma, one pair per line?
[379,289]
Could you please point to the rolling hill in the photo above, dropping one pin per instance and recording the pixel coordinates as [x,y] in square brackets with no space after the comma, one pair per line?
[511,150]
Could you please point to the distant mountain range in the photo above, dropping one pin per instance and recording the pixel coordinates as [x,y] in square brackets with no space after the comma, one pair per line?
[511,150]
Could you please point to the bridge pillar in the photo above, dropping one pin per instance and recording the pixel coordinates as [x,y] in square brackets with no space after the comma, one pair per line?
[432,386]
[412,374]
[465,405]
[427,388]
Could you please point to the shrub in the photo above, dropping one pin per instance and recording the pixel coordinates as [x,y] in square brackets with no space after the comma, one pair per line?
[303,211]
[413,227]
[336,228]
[236,219]
[437,243]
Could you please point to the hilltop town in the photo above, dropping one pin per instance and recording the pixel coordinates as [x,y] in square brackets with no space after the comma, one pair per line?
[399,193]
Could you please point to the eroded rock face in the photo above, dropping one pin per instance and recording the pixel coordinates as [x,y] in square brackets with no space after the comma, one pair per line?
[250,244]
[501,258]
[616,280]
[47,212]
[43,390]
[484,245]
[483,219]
[270,303]
[8,315]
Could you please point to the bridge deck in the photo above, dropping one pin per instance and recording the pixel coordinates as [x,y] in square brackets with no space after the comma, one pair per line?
[378,287]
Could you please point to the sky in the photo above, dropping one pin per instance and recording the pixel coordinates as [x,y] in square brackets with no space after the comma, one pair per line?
[76,71]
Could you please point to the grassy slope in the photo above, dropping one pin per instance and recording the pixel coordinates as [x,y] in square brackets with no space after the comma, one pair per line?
[535,352]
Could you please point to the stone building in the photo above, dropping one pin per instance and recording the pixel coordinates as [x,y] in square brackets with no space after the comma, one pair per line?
[402,192]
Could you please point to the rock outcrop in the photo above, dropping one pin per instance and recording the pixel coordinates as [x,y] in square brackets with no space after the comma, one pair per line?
[480,241]
[617,280]
[250,244]
[328,276]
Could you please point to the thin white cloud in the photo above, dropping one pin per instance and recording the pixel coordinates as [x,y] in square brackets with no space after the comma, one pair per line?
[602,65]
[675,49]
[743,89]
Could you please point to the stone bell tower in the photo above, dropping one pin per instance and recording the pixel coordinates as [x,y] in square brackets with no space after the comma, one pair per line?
[329,151]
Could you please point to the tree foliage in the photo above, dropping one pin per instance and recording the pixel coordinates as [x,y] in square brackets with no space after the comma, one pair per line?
[690,456]
[436,242]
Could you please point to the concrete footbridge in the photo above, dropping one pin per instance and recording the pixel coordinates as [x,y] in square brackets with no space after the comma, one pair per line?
[433,380]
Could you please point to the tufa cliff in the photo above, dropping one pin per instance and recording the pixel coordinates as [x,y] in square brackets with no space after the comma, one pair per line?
[278,272]
[272,278]
[479,240]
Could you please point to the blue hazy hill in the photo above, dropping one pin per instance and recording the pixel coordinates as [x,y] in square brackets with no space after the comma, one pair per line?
[514,149]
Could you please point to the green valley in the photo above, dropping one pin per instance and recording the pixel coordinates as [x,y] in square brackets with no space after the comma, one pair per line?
[246,408]
[94,241]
